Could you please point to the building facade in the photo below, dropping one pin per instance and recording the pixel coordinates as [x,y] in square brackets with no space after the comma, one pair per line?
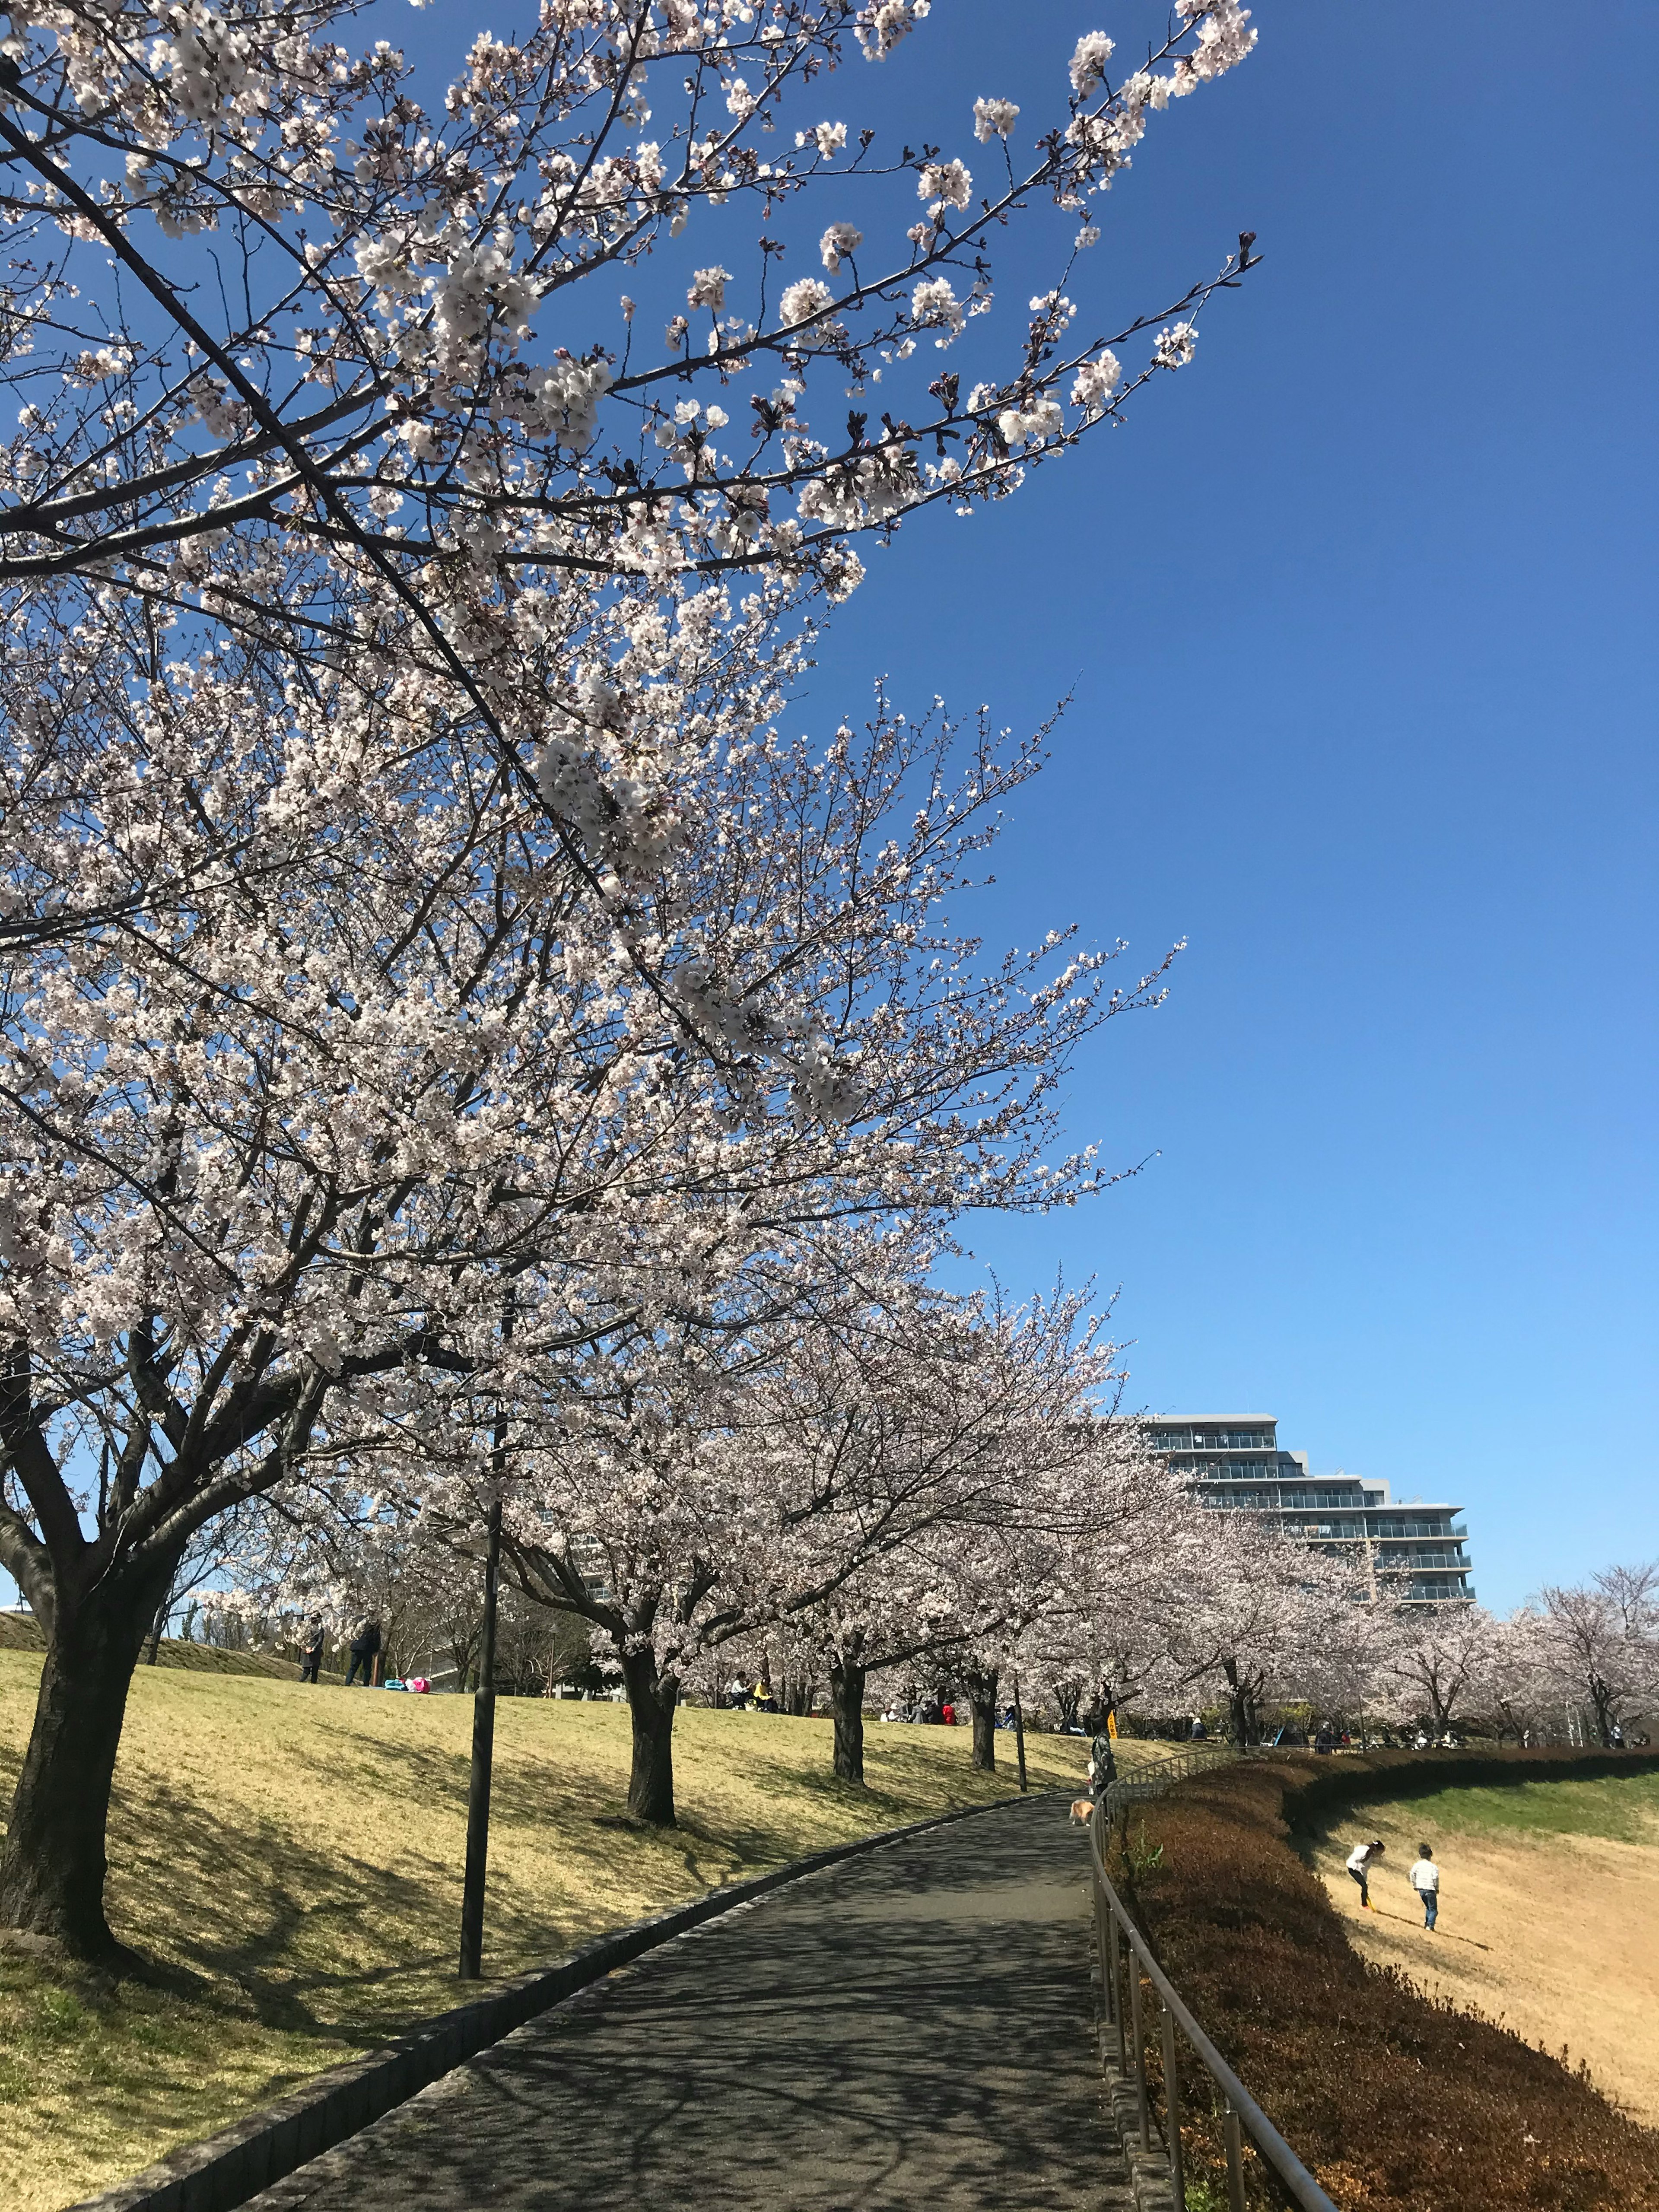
[1235,1464]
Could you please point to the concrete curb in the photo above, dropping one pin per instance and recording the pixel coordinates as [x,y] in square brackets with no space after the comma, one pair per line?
[224,2170]
[1149,2170]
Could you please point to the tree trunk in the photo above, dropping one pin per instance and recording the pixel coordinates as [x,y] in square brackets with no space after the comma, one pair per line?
[798,1694]
[160,1622]
[1239,1699]
[52,1869]
[1602,1705]
[846,1703]
[651,1701]
[982,1683]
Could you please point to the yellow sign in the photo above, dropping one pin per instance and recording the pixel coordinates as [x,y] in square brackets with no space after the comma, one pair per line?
[1111,1726]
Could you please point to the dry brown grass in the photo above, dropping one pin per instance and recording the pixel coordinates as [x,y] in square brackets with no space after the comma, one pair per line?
[1544,1925]
[1400,2102]
[293,1856]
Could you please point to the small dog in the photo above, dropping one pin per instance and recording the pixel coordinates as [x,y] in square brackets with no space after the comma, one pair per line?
[1082,1811]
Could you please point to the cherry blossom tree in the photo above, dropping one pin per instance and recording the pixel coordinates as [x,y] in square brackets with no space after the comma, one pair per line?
[831,1449]
[1035,1477]
[1269,1615]
[1600,1642]
[411,419]
[1111,1638]
[280,1162]
[429,961]
[1442,1665]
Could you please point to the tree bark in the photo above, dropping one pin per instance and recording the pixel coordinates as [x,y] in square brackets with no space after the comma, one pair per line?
[982,1704]
[160,1622]
[52,1869]
[1239,1699]
[651,1701]
[846,1703]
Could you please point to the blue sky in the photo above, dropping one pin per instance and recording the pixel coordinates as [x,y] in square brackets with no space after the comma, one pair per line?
[1360,616]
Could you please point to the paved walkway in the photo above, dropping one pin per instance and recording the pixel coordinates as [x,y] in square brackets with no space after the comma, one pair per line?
[912,2029]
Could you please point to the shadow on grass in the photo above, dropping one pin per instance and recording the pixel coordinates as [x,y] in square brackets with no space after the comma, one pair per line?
[332,1939]
[1406,1920]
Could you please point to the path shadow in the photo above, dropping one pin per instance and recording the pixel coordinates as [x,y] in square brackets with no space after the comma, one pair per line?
[894,2032]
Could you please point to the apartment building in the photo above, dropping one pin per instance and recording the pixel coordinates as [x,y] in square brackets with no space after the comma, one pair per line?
[1236,1464]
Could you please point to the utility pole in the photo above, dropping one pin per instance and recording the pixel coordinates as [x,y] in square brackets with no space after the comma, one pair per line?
[1019,1737]
[483,1751]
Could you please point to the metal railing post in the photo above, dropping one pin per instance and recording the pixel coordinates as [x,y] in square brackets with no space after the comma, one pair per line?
[1140,2053]
[1108,1996]
[1117,1996]
[1172,2111]
[1235,2155]
[1241,2114]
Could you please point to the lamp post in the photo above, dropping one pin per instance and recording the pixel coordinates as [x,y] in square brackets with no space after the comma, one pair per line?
[483,1759]
[1019,1736]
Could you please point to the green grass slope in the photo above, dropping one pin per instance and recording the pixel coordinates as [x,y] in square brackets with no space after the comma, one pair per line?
[1624,1812]
[291,1857]
[20,1632]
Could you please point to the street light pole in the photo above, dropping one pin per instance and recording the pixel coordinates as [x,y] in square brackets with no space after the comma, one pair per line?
[483,1756]
[1019,1736]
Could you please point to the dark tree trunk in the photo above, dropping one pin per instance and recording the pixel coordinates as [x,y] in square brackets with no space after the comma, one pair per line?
[846,1703]
[651,1700]
[52,1869]
[159,1623]
[1602,1705]
[1238,1698]
[982,1683]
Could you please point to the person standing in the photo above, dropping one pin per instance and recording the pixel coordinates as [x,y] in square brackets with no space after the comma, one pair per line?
[365,1650]
[1425,1880]
[1102,1766]
[1361,1859]
[311,1649]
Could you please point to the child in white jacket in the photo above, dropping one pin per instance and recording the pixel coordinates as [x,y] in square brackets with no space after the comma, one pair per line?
[1425,1880]
[1359,1865]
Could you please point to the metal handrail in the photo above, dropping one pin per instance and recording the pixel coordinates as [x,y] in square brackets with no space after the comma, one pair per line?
[1157,1775]
[1239,2109]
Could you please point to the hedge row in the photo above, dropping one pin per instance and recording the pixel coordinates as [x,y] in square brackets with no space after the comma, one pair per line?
[1399,2103]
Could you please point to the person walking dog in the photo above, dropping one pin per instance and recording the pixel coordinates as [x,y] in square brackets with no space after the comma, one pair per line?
[1425,1880]
[1361,1859]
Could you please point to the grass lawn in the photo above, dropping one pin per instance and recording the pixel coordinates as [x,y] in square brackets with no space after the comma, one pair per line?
[1622,1811]
[291,1856]
[19,1632]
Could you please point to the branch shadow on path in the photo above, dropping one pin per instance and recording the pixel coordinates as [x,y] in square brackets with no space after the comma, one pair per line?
[915,2026]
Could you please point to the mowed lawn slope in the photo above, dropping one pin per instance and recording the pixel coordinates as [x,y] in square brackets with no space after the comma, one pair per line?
[293,1856]
[1549,1916]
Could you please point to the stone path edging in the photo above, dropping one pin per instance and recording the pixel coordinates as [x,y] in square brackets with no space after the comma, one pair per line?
[224,2170]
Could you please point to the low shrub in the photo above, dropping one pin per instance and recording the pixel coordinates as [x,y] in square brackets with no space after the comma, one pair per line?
[1398,2103]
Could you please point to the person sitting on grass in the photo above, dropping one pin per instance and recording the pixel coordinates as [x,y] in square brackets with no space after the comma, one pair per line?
[1425,1880]
[1359,1865]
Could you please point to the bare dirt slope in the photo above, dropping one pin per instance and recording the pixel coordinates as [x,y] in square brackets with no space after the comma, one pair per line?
[1555,1934]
